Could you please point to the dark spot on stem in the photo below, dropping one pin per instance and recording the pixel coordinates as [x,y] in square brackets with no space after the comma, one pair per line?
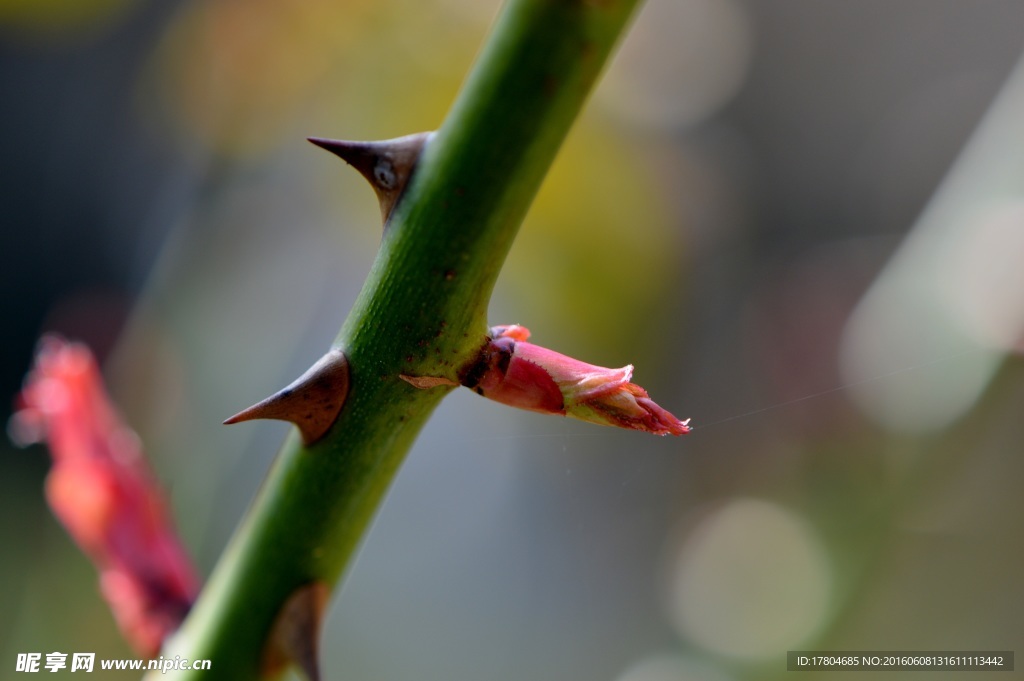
[551,85]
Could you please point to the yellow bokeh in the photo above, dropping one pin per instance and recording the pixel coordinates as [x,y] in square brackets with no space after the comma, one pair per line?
[58,22]
[599,246]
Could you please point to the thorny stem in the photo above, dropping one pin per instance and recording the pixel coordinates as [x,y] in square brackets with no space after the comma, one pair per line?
[422,311]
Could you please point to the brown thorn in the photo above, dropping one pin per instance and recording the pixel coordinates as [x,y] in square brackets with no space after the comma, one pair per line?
[295,636]
[387,165]
[427,382]
[312,402]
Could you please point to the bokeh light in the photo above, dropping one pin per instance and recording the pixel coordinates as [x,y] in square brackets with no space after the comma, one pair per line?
[952,292]
[673,667]
[750,581]
[703,47]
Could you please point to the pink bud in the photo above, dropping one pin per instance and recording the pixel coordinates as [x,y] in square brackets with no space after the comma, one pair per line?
[102,491]
[521,374]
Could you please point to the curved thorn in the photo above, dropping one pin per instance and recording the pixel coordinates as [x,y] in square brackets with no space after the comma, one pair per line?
[386,165]
[312,402]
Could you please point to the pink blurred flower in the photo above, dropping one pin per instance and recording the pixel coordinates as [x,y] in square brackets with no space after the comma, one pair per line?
[521,374]
[103,492]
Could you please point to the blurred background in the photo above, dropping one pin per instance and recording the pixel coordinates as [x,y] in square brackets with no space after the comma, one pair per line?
[815,212]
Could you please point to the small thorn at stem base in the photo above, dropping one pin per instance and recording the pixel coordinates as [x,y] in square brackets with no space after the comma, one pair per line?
[427,382]
[295,637]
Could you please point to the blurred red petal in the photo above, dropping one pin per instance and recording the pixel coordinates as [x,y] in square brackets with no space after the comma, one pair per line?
[102,491]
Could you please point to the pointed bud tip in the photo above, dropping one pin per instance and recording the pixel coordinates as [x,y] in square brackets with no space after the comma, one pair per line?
[679,428]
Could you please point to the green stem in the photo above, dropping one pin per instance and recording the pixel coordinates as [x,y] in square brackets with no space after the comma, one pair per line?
[422,311]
